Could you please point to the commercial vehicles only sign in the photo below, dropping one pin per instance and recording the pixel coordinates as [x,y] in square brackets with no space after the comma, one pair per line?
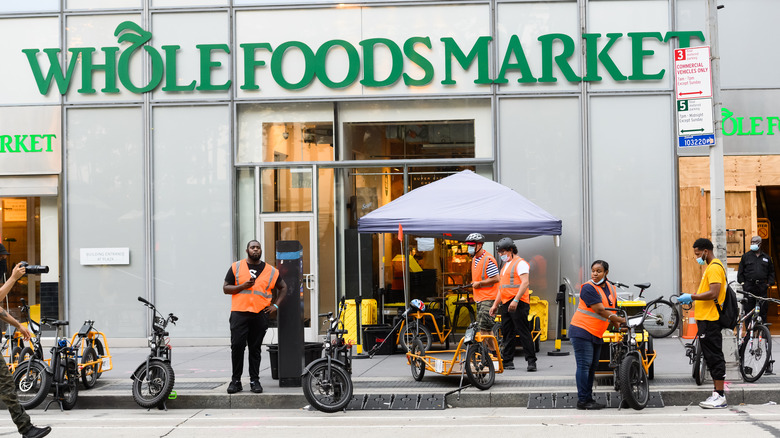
[692,73]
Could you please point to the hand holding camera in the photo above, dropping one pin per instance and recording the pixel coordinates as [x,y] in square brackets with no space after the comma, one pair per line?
[34,269]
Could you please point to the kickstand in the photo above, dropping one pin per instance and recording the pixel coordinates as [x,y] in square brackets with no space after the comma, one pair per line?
[461,386]
[59,402]
[162,406]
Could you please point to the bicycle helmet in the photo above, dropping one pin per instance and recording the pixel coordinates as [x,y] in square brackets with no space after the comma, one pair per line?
[505,244]
[475,238]
[417,305]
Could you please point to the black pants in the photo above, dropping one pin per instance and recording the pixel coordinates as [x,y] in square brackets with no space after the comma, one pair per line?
[711,339]
[247,329]
[516,324]
[761,291]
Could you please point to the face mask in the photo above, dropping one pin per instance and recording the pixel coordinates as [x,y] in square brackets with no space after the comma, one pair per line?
[754,247]
[472,250]
[504,258]
[600,281]
[701,260]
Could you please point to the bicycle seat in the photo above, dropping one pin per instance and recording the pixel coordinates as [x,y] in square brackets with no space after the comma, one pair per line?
[642,285]
[57,323]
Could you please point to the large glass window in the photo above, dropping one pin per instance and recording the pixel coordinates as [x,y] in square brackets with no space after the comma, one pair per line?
[409,140]
[18,84]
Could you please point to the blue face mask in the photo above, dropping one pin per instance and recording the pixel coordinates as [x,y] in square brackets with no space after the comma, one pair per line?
[600,281]
[754,247]
[701,260]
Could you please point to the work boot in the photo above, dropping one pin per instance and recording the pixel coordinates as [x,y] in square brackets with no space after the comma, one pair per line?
[234,387]
[531,365]
[256,387]
[590,405]
[36,432]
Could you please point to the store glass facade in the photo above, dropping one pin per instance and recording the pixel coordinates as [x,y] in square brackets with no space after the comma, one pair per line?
[208,123]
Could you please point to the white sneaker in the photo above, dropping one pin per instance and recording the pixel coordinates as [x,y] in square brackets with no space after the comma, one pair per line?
[715,401]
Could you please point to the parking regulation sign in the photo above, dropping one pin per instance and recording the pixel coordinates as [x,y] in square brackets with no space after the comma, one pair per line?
[694,117]
[692,73]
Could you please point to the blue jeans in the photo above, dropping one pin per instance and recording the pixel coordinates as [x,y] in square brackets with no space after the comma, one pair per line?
[586,353]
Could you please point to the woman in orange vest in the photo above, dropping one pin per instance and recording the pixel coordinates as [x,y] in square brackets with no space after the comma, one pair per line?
[587,328]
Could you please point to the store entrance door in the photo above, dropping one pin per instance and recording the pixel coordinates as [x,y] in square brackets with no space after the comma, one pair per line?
[300,227]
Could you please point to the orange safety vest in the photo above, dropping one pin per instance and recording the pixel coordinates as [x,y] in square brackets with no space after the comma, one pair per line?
[510,282]
[479,273]
[258,297]
[589,320]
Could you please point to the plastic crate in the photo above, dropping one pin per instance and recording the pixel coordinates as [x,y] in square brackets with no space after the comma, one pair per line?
[349,317]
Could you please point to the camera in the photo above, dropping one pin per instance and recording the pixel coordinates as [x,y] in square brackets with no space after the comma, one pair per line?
[35,269]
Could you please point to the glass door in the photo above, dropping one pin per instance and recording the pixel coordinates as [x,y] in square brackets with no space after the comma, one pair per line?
[295,227]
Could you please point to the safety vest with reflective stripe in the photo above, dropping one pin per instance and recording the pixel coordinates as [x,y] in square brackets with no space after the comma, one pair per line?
[479,273]
[258,297]
[510,282]
[590,321]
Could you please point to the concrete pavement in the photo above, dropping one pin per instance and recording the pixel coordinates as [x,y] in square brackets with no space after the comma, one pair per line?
[202,375]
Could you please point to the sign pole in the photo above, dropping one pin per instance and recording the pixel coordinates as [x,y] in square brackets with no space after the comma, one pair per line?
[717,185]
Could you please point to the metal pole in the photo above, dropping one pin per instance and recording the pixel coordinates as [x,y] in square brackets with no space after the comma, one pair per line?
[717,186]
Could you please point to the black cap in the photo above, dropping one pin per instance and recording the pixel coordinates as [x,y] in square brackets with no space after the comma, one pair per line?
[3,251]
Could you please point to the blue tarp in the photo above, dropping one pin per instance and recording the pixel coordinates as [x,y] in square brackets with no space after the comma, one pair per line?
[461,204]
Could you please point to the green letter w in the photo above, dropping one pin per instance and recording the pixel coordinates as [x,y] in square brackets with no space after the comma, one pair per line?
[55,70]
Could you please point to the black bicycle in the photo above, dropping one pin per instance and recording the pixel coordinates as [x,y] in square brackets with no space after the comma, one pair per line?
[327,381]
[34,350]
[755,341]
[34,379]
[153,380]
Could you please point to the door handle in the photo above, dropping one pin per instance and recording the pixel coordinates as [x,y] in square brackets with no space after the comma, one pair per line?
[309,278]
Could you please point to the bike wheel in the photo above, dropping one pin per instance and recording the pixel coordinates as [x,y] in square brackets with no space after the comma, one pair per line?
[70,387]
[15,355]
[755,353]
[89,372]
[31,384]
[418,364]
[662,319]
[479,366]
[497,332]
[98,346]
[634,385]
[151,390]
[328,389]
[416,330]
[699,365]
[27,353]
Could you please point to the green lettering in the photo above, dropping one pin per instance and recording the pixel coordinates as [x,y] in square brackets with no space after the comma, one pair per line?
[34,143]
[308,65]
[739,123]
[20,146]
[136,36]
[397,62]
[638,55]
[87,67]
[170,71]
[479,51]
[5,142]
[251,64]
[770,121]
[755,125]
[419,60]
[593,56]
[684,37]
[726,114]
[562,60]
[207,65]
[352,56]
[55,70]
[514,47]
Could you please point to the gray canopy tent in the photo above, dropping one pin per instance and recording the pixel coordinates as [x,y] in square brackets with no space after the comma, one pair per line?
[458,205]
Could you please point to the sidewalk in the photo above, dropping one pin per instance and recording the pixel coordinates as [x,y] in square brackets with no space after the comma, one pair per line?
[202,375]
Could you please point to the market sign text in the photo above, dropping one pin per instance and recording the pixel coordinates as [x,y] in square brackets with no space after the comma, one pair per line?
[164,69]
[754,125]
[26,143]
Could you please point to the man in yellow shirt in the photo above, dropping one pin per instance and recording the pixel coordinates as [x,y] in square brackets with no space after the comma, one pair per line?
[712,287]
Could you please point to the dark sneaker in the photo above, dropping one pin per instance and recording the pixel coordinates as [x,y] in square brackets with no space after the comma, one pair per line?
[509,366]
[531,365]
[256,387]
[234,387]
[37,432]
[590,406]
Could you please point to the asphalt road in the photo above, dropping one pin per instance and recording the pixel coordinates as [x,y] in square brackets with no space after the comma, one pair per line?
[747,420]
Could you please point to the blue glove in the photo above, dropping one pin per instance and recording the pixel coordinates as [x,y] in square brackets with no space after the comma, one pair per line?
[685,299]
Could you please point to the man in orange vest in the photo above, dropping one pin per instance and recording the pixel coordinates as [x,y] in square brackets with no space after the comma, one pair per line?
[484,281]
[513,304]
[251,282]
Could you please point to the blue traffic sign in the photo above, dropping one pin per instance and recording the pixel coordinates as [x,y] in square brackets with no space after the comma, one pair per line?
[697,140]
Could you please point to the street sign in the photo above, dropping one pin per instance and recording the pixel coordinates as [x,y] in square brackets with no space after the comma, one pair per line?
[692,73]
[694,117]
[697,140]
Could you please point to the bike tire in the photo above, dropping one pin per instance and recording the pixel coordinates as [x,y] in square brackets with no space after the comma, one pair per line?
[416,330]
[418,364]
[15,355]
[479,366]
[89,372]
[699,365]
[755,352]
[497,333]
[70,389]
[152,391]
[31,385]
[26,354]
[98,346]
[634,384]
[327,391]
[662,319]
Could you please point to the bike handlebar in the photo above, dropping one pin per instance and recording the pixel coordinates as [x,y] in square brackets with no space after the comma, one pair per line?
[141,299]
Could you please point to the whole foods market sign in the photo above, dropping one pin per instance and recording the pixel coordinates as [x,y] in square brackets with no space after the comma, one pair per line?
[557,50]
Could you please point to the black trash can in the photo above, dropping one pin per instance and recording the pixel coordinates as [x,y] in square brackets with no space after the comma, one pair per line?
[311,352]
[273,357]
[375,335]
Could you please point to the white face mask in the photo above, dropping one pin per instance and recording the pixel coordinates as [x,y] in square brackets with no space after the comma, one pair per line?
[472,250]
[600,281]
[504,258]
